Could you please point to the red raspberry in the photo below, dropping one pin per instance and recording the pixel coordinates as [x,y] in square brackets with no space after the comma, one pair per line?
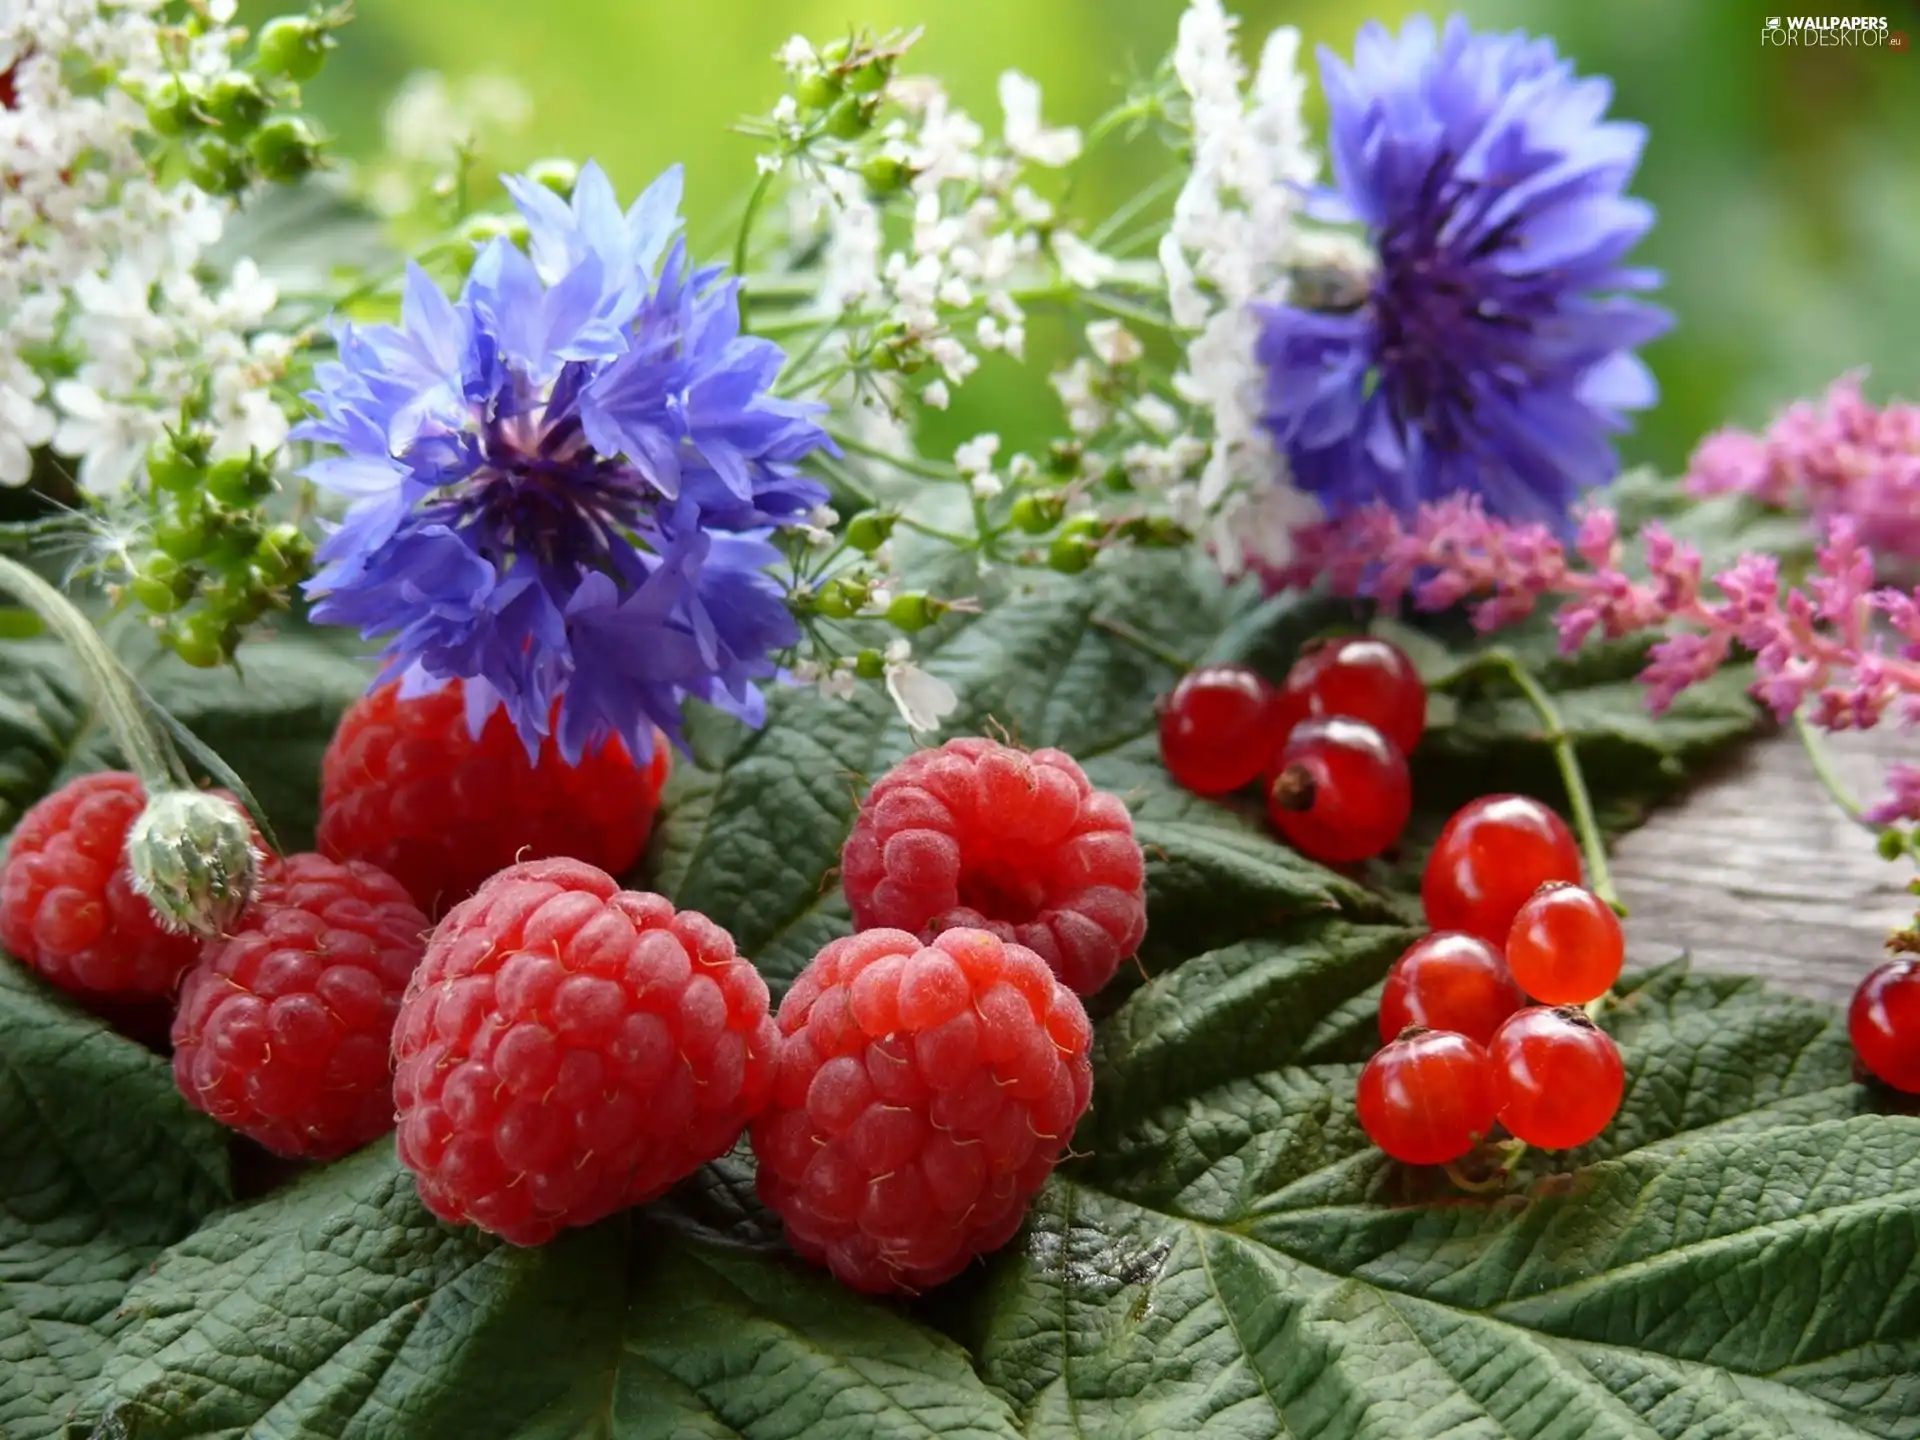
[925,1094]
[67,903]
[981,835]
[284,1025]
[569,1048]
[405,786]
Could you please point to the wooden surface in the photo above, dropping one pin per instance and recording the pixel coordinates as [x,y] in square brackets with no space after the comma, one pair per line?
[1756,870]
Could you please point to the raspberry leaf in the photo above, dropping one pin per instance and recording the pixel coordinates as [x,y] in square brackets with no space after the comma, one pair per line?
[101,1167]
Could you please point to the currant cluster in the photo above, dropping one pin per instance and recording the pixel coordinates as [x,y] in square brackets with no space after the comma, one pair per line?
[1884,1022]
[1329,744]
[1463,1048]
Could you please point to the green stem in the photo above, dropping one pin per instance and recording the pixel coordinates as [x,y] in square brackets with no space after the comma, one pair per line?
[1554,731]
[912,465]
[933,532]
[743,244]
[1142,643]
[151,756]
[1822,761]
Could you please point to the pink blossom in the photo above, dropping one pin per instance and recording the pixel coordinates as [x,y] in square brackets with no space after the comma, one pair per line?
[1835,456]
[1904,801]
[1813,648]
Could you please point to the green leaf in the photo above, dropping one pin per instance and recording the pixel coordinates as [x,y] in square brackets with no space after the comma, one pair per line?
[101,1166]
[1732,1257]
[340,1308]
[43,716]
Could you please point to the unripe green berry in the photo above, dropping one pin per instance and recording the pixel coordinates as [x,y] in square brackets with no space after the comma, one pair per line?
[182,540]
[192,856]
[284,556]
[217,167]
[869,530]
[1081,525]
[558,175]
[837,600]
[870,78]
[869,664]
[292,46]
[850,119]
[171,109]
[1064,456]
[285,149]
[237,102]
[1892,845]
[201,639]
[239,481]
[817,91]
[154,595]
[835,52]
[1036,514]
[1070,554]
[913,611]
[177,464]
[886,176]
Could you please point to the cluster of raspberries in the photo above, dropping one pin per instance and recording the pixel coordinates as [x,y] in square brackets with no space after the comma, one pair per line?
[459,960]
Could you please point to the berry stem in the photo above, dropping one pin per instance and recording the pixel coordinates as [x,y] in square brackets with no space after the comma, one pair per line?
[149,755]
[1507,1155]
[1554,732]
[1822,761]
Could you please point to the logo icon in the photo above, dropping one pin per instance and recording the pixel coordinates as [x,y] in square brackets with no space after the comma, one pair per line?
[1773,23]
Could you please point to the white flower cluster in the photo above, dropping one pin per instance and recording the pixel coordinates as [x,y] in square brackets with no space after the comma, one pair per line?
[1233,236]
[977,228]
[429,122]
[98,264]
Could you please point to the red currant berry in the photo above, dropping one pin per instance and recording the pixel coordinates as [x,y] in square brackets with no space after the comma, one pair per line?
[1495,852]
[1565,947]
[1217,729]
[1557,1077]
[1339,792]
[1427,1097]
[1449,982]
[1884,1021]
[1362,678]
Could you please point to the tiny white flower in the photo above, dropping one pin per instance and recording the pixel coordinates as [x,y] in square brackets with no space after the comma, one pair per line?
[1026,136]
[878,599]
[935,395]
[1080,264]
[796,54]
[768,164]
[1156,414]
[1023,467]
[1113,343]
[923,699]
[839,684]
[976,455]
[986,486]
[824,516]
[786,110]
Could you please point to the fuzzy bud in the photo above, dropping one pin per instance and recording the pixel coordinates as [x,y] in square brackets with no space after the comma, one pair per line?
[193,858]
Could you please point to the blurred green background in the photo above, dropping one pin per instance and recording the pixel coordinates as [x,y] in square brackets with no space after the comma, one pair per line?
[1787,180]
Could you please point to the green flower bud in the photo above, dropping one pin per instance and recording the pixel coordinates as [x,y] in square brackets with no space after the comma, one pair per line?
[869,664]
[293,46]
[835,52]
[837,599]
[283,557]
[161,584]
[1064,456]
[203,639]
[850,119]
[171,109]
[817,91]
[869,530]
[886,176]
[217,167]
[913,611]
[1036,514]
[237,102]
[183,540]
[236,537]
[177,464]
[1082,525]
[557,174]
[285,149]
[240,481]
[192,856]
[1070,554]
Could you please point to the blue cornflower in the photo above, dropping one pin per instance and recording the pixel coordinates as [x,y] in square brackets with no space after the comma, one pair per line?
[1494,351]
[562,483]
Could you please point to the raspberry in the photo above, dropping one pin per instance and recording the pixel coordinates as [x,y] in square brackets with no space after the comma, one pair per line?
[406,787]
[284,1025]
[67,903]
[980,835]
[925,1094]
[569,1048]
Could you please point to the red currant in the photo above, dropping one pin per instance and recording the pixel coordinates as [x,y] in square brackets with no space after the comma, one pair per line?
[1362,678]
[1884,1021]
[1427,1097]
[1449,981]
[1495,852]
[1339,792]
[1565,947]
[1557,1077]
[1217,729]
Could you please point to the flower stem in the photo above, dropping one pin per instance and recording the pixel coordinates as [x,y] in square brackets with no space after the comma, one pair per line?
[1822,761]
[1178,663]
[150,756]
[743,244]
[1554,731]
